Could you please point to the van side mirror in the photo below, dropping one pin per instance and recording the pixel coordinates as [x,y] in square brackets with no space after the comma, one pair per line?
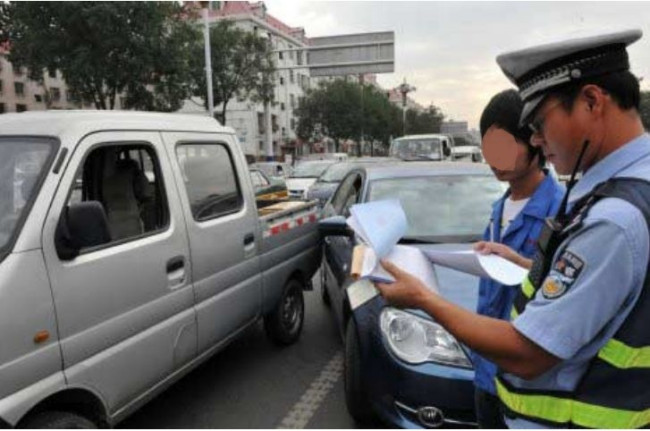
[334,226]
[82,225]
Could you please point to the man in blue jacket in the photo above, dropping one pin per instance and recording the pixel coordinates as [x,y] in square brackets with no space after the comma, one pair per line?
[516,221]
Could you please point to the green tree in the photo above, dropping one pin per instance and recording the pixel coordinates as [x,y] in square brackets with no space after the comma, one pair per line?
[427,121]
[645,109]
[242,67]
[104,50]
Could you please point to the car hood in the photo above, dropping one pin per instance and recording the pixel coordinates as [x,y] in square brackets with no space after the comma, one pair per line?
[300,183]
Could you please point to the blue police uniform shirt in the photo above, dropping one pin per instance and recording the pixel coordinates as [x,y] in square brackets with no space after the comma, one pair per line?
[495,299]
[610,255]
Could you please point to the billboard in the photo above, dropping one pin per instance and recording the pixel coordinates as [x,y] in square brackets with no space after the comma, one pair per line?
[351,54]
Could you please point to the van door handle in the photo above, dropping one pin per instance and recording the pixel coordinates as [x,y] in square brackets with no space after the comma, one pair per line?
[176,272]
[175,263]
[249,238]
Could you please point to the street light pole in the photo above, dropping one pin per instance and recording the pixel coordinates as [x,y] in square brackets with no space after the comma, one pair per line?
[208,59]
[405,89]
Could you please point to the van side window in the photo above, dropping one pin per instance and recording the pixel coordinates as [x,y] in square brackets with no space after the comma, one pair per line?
[210,180]
[123,180]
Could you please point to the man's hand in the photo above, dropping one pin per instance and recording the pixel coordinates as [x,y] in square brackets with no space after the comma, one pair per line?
[406,292]
[485,247]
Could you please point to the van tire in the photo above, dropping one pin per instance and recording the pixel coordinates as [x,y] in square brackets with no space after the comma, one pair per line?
[356,399]
[58,420]
[284,324]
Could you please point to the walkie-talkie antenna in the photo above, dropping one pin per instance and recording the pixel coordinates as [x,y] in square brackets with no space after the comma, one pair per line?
[561,211]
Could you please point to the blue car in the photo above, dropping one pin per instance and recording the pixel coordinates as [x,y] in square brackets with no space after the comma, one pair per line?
[400,365]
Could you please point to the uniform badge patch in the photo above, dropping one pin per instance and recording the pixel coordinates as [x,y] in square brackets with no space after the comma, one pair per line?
[564,273]
[553,287]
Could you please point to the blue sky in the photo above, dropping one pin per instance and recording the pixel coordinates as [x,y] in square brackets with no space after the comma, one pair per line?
[447,50]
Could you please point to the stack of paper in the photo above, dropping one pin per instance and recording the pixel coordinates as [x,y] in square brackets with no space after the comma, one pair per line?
[381,224]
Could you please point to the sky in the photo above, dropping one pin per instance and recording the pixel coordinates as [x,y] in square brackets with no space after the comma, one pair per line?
[447,50]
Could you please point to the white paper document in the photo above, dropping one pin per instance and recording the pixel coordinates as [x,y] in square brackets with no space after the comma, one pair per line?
[379,224]
[484,266]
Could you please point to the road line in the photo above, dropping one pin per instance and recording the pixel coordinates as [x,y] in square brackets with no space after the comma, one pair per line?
[310,401]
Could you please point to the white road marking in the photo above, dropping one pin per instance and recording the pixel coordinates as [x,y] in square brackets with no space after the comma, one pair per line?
[310,401]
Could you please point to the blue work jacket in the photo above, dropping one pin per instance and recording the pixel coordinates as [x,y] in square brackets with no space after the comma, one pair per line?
[495,299]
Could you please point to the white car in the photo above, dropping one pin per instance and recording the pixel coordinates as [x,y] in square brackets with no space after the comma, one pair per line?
[304,176]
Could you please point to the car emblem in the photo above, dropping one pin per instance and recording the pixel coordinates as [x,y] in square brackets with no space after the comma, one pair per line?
[431,417]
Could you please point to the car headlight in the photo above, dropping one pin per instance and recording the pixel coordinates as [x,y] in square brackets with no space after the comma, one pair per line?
[416,340]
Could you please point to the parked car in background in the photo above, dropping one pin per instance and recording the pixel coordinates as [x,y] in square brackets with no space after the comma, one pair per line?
[431,147]
[400,365]
[267,190]
[327,183]
[469,153]
[273,170]
[304,175]
[131,250]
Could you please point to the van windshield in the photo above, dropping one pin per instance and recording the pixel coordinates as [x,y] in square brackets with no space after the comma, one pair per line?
[21,163]
[417,149]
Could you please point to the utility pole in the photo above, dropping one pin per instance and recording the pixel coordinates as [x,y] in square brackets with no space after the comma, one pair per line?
[405,89]
[208,56]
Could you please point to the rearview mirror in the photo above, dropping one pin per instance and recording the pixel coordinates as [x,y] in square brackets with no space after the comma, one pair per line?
[334,226]
[82,225]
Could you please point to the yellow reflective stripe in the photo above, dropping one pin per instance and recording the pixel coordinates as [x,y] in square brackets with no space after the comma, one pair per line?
[564,411]
[513,313]
[527,288]
[621,355]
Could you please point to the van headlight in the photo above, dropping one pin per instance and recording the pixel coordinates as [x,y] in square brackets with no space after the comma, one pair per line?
[416,340]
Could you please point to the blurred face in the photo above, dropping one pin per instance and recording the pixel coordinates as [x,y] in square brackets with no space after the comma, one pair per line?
[561,133]
[508,158]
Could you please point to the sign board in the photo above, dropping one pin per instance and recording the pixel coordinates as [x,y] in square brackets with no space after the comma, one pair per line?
[352,54]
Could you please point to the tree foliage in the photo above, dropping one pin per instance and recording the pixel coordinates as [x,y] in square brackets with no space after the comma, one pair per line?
[337,110]
[104,50]
[242,66]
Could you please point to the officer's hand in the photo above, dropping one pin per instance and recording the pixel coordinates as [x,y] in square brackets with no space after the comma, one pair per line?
[406,292]
[485,247]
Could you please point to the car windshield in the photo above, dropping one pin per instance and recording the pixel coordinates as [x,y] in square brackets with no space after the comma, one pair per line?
[310,169]
[416,149]
[336,172]
[453,208]
[21,164]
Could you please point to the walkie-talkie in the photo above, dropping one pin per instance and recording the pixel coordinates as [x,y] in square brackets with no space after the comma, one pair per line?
[550,237]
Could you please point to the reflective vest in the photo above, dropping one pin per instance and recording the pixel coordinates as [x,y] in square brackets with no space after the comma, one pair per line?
[614,392]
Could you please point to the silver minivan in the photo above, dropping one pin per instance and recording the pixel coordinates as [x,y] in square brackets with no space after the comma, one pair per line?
[131,250]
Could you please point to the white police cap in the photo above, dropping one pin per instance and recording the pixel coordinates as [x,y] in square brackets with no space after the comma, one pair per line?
[538,69]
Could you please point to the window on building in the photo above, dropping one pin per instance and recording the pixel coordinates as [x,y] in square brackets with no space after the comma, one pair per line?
[38,98]
[2,108]
[260,123]
[299,57]
[281,106]
[293,124]
[52,73]
[56,93]
[210,180]
[18,71]
[291,77]
[19,88]
[284,131]
[20,107]
[291,53]
[292,101]
[280,55]
[281,81]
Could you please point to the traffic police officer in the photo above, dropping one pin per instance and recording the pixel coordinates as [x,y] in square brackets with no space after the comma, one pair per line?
[577,352]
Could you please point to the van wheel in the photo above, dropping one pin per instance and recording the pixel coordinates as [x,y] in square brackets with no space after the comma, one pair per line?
[284,324]
[356,399]
[58,420]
